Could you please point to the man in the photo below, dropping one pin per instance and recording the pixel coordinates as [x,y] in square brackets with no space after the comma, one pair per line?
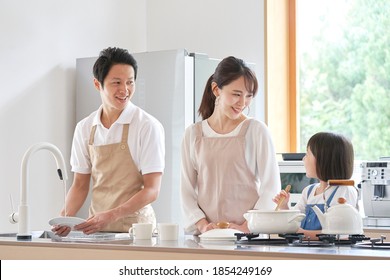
[121,147]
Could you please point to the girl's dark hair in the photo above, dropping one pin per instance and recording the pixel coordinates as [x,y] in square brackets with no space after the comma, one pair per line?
[334,155]
[227,71]
[110,57]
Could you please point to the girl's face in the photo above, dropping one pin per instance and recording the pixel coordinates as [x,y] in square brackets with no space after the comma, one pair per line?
[310,164]
[119,86]
[233,98]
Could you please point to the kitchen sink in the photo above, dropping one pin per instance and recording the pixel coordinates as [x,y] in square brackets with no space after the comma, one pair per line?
[76,236]
[35,234]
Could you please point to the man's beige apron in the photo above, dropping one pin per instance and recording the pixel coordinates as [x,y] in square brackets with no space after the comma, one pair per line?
[115,180]
[226,186]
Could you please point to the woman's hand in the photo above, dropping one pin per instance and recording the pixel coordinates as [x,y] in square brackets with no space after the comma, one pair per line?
[203,225]
[243,227]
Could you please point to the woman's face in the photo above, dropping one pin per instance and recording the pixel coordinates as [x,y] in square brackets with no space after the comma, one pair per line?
[233,98]
[119,86]
[310,164]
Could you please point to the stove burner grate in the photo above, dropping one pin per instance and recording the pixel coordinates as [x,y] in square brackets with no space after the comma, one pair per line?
[311,243]
[255,239]
[375,243]
[333,238]
[298,239]
[327,240]
[367,245]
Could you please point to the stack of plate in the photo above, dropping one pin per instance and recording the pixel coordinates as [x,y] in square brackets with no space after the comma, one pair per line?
[219,235]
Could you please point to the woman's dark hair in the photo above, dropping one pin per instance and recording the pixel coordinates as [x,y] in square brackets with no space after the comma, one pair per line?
[110,57]
[227,71]
[334,156]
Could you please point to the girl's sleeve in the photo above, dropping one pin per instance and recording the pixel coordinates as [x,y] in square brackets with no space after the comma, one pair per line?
[302,202]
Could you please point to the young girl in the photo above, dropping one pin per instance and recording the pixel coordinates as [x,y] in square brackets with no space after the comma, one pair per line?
[329,156]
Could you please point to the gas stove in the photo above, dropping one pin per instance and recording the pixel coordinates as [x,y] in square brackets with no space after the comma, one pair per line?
[298,239]
[375,243]
[328,240]
[257,239]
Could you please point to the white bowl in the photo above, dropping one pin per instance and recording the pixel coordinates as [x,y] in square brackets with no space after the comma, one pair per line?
[274,222]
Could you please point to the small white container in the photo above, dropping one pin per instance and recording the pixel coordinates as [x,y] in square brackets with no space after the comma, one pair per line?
[141,231]
[167,231]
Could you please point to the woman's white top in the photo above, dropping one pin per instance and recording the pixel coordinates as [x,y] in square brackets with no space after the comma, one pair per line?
[259,154]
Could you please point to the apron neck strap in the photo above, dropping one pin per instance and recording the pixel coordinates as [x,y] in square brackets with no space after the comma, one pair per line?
[92,135]
[125,133]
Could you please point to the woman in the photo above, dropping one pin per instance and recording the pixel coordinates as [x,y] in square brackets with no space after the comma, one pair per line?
[119,146]
[228,159]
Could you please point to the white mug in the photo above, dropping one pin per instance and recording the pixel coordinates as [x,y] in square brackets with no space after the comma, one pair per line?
[168,231]
[141,230]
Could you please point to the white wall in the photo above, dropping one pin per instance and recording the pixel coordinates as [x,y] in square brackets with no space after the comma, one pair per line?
[40,41]
[218,28]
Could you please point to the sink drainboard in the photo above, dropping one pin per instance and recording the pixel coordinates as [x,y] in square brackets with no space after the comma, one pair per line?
[96,237]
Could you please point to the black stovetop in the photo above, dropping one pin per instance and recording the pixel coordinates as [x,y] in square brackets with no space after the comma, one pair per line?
[298,239]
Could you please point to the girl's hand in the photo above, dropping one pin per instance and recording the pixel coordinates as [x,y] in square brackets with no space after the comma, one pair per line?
[309,234]
[279,196]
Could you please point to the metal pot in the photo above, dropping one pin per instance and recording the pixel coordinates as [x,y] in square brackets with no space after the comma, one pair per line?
[274,222]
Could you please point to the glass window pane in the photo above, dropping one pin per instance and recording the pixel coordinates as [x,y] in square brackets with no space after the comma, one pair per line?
[343,56]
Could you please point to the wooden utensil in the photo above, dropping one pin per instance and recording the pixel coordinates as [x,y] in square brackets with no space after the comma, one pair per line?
[287,189]
[341,182]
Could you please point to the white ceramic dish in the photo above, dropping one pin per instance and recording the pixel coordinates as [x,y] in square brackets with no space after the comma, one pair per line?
[274,222]
[219,235]
[66,221]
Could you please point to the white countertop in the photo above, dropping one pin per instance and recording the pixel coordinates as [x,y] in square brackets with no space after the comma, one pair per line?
[187,247]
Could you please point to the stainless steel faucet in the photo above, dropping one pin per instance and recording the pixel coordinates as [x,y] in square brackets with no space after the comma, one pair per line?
[22,217]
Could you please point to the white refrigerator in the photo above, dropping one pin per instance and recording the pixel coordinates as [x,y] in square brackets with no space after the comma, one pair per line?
[169,86]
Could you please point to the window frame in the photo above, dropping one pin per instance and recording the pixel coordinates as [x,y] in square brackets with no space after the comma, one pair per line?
[282,110]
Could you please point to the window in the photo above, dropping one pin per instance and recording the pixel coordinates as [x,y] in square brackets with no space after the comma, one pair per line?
[342,72]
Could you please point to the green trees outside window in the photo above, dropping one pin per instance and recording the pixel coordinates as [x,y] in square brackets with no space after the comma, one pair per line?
[344,72]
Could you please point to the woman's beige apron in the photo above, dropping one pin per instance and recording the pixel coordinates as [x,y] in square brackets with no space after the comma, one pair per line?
[115,180]
[226,186]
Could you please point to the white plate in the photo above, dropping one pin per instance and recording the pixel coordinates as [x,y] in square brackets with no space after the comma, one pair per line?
[66,221]
[219,235]
[218,239]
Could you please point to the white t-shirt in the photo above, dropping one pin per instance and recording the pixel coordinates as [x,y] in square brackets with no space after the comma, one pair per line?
[260,157]
[347,192]
[146,139]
